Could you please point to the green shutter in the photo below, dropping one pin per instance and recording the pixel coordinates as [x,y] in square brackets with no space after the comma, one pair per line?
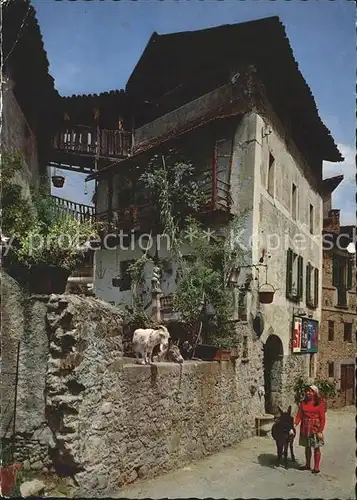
[300,277]
[308,283]
[316,287]
[289,272]
[349,274]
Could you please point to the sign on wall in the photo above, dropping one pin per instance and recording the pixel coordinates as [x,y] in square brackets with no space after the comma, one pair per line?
[305,335]
[297,327]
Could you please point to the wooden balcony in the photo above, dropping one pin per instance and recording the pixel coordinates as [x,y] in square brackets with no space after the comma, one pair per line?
[80,211]
[76,147]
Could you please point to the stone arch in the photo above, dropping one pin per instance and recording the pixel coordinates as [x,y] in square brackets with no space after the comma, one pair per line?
[273,372]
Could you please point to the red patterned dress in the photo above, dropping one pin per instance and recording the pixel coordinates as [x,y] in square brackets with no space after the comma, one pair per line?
[313,421]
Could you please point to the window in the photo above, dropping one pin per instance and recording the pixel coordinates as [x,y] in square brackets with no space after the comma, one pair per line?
[330,369]
[245,353]
[294,207]
[125,276]
[342,274]
[294,276]
[347,332]
[271,174]
[331,330]
[312,286]
[311,219]
[242,305]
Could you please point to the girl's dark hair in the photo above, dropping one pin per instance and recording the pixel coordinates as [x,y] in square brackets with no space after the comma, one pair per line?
[317,399]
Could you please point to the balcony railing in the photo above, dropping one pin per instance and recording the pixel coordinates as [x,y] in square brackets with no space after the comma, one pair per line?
[80,211]
[84,141]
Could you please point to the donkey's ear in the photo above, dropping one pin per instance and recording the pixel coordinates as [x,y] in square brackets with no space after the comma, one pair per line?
[280,410]
[289,410]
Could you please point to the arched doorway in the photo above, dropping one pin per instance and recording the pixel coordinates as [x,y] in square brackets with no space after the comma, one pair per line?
[273,372]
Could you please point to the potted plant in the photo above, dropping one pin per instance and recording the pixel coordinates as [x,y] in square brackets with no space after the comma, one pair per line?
[8,476]
[117,281]
[58,181]
[52,246]
[327,389]
[266,293]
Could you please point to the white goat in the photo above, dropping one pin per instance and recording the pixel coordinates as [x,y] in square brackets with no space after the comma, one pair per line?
[145,339]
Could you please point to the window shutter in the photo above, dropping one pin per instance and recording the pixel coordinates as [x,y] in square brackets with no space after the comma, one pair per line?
[335,270]
[349,273]
[300,277]
[308,283]
[289,272]
[316,287]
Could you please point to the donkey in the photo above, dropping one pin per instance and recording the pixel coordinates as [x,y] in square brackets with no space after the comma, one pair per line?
[283,433]
[170,353]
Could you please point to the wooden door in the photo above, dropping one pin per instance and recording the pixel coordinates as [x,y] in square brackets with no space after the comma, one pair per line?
[348,384]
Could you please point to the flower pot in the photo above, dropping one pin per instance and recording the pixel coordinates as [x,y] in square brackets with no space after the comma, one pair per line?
[234,353]
[58,181]
[45,279]
[8,478]
[266,297]
[222,355]
[205,352]
[116,282]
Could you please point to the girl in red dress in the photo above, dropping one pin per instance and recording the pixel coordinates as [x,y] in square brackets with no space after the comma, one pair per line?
[311,415]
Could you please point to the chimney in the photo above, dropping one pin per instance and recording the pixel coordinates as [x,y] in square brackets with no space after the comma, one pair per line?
[334,216]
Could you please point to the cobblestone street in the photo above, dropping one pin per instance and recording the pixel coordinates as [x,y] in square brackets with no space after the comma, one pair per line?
[247,470]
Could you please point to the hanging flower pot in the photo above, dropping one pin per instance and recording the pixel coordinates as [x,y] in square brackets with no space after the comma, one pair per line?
[116,281]
[58,181]
[266,293]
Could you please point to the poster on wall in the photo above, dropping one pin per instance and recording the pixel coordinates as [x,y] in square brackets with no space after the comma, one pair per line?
[297,327]
[312,329]
[305,335]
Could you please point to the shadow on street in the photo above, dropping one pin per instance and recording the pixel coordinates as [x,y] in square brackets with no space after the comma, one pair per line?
[271,461]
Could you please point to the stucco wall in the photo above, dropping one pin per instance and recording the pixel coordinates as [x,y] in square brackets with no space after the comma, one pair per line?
[275,230]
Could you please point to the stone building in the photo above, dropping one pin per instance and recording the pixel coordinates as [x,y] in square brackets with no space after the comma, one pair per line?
[262,151]
[337,347]
[28,93]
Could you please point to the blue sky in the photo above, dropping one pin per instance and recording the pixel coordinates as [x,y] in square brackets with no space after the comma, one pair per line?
[93,46]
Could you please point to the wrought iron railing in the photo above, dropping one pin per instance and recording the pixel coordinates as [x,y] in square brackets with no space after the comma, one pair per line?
[80,211]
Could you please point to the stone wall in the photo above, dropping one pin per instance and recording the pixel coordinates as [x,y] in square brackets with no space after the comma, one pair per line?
[16,135]
[114,421]
[24,322]
[336,350]
[87,411]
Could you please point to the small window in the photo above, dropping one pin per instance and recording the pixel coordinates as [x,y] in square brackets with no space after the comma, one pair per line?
[331,330]
[271,174]
[242,305]
[125,276]
[294,202]
[245,347]
[311,219]
[347,332]
[312,286]
[330,369]
[294,278]
[312,365]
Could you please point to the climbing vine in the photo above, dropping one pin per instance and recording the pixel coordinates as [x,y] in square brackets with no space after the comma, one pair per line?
[204,274]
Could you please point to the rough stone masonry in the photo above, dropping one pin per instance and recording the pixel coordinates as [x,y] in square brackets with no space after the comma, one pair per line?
[107,421]
[114,421]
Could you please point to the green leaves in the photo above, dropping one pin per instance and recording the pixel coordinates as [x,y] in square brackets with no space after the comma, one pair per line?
[43,233]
